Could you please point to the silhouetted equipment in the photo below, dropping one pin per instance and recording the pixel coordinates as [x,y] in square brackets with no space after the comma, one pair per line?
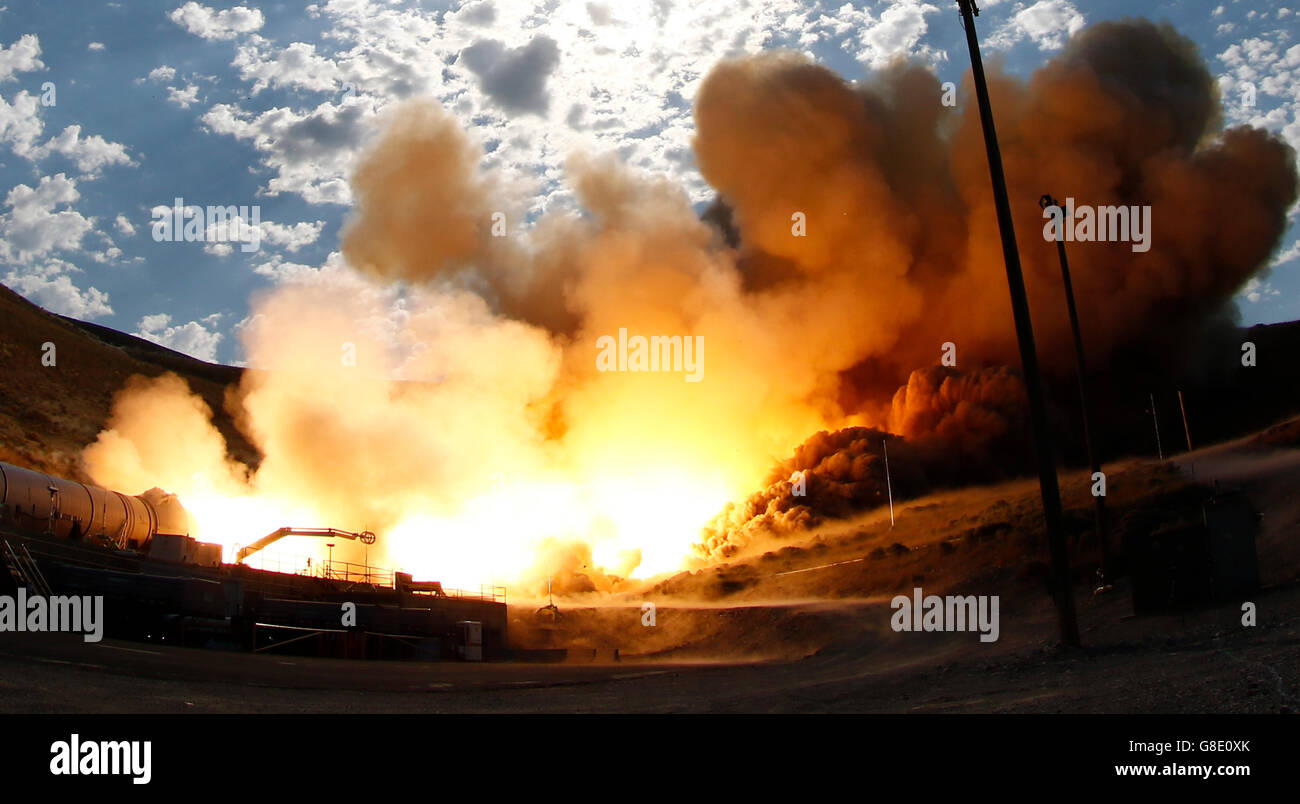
[1051,492]
[550,613]
[1081,370]
[37,502]
[184,550]
[160,584]
[1192,563]
[404,582]
[469,641]
[22,568]
[1232,524]
[365,537]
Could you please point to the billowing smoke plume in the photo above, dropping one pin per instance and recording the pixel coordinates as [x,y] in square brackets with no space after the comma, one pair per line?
[901,223]
[974,422]
[945,428]
[853,237]
[832,474]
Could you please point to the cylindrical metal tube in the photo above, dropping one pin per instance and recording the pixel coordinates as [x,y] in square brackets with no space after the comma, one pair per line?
[37,501]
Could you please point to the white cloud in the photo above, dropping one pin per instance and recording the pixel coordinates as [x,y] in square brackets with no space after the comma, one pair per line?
[636,73]
[281,270]
[20,125]
[294,66]
[209,24]
[191,338]
[162,73]
[291,237]
[218,237]
[32,227]
[95,46]
[482,12]
[183,98]
[1256,291]
[20,57]
[896,33]
[91,154]
[1286,255]
[1047,23]
[1263,68]
[50,286]
[310,151]
[107,255]
[124,225]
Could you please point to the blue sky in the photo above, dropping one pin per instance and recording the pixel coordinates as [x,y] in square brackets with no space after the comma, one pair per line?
[270,104]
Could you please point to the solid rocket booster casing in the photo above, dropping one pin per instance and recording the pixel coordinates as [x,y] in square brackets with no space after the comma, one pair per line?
[36,500]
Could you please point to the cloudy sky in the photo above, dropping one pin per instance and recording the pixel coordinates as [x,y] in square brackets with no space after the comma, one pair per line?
[109,110]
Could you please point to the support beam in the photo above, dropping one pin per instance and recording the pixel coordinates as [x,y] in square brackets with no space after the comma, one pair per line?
[1047,480]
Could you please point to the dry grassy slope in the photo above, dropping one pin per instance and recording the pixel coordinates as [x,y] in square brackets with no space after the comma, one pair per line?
[48,414]
[827,589]
[796,594]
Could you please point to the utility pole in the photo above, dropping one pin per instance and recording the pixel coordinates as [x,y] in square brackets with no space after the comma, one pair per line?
[1047,481]
[1187,431]
[889,485]
[1156,420]
[1081,369]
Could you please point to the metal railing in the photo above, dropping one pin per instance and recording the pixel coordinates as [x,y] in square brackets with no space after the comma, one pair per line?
[358,573]
[290,564]
[487,592]
[24,567]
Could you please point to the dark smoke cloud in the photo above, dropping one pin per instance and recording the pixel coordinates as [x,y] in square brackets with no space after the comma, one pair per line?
[947,428]
[896,191]
[832,474]
[973,421]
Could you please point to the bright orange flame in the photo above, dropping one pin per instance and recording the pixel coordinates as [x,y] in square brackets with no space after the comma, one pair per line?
[640,524]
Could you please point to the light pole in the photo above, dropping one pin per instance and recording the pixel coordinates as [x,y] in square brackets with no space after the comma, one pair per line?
[1160,450]
[1047,481]
[1081,369]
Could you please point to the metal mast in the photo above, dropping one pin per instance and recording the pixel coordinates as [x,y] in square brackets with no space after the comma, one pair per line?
[1047,481]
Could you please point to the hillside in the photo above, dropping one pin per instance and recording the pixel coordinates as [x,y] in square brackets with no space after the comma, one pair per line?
[48,414]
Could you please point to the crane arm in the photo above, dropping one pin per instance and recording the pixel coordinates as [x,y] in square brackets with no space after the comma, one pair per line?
[365,537]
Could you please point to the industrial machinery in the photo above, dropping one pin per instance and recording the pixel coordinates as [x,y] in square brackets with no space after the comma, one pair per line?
[1192,563]
[61,537]
[365,537]
[33,501]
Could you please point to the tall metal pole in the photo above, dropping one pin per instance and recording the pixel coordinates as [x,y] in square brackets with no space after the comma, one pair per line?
[1187,431]
[1081,369]
[1047,481]
[889,484]
[1156,420]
